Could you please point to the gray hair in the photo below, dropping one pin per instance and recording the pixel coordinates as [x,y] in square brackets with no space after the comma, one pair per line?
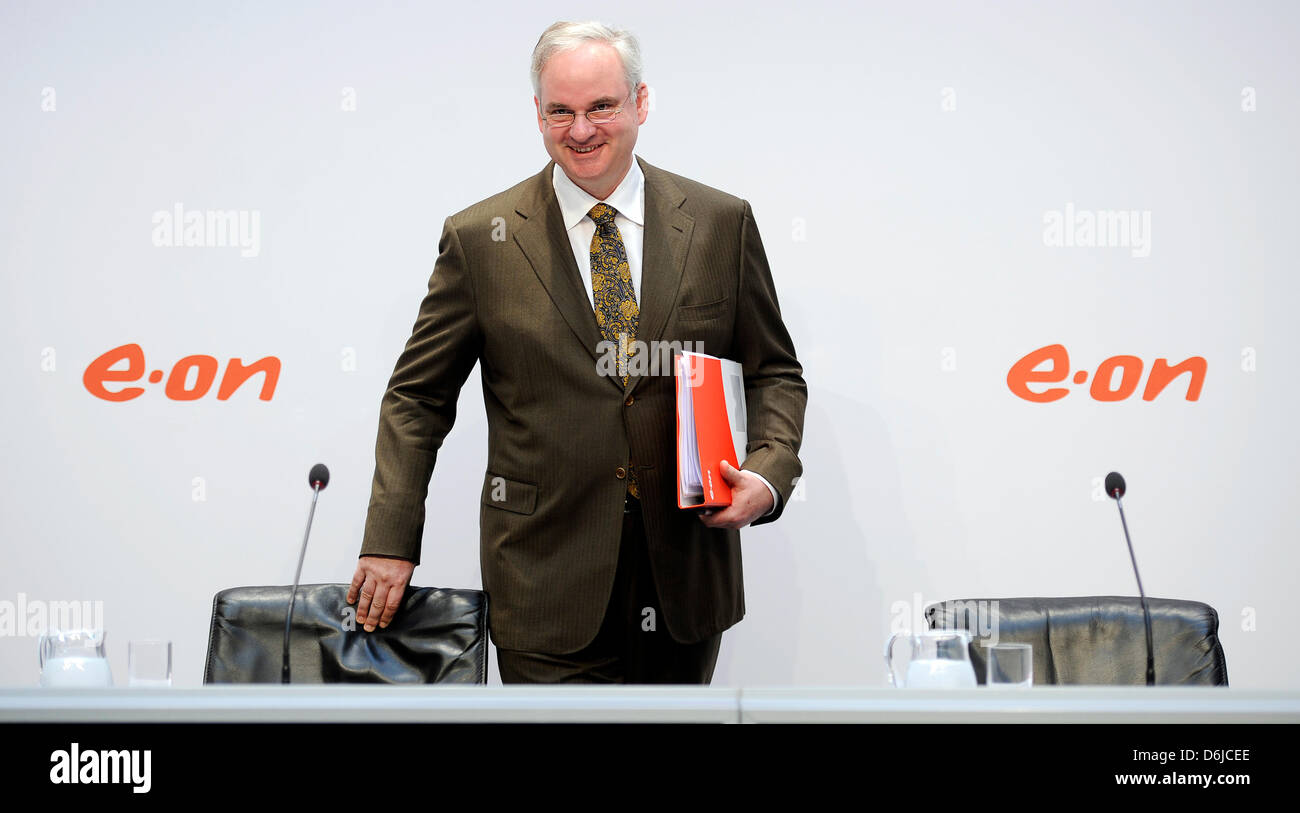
[566,36]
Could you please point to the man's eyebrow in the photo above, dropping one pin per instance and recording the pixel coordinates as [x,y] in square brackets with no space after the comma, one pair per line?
[602,100]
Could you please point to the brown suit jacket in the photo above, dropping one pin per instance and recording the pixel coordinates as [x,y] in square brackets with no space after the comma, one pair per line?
[506,292]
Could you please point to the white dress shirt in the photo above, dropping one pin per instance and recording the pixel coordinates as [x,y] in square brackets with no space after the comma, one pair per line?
[628,201]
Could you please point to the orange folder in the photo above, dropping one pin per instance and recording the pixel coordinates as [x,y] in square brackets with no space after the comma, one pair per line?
[711,427]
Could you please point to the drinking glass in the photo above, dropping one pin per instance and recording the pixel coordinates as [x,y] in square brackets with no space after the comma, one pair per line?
[1010,666]
[149,663]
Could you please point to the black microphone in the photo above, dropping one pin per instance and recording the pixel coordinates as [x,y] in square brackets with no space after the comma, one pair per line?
[317,478]
[1116,488]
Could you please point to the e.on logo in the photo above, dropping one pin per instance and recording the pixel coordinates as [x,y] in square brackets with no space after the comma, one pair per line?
[1026,372]
[101,372]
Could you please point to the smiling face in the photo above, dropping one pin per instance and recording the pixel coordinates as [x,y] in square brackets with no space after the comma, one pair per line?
[596,157]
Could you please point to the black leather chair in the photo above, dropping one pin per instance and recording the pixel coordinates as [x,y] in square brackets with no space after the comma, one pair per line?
[1095,640]
[438,636]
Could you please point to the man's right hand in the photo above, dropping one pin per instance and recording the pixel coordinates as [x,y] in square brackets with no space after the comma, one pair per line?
[380,583]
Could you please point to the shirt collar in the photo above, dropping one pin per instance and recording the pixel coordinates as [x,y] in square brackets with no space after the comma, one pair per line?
[628,199]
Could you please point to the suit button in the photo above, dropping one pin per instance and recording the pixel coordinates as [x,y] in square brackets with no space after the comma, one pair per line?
[629,401]
[620,473]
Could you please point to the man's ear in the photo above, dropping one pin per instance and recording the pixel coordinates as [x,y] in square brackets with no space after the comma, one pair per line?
[541,125]
[642,102]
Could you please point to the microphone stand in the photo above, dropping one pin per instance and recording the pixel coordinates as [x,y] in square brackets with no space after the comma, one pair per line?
[288,618]
[1146,612]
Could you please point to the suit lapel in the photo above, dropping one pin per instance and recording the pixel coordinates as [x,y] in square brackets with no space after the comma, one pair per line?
[542,238]
[667,238]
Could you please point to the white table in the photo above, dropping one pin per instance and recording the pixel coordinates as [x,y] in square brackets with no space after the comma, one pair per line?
[513,704]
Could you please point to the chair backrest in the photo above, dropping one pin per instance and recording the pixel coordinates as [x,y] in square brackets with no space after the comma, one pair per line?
[1095,640]
[438,636]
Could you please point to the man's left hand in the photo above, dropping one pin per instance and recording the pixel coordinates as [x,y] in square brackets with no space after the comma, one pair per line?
[750,500]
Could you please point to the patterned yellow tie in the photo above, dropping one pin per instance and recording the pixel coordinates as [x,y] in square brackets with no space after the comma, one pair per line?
[611,284]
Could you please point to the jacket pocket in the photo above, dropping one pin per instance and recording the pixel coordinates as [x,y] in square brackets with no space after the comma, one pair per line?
[509,495]
[702,311]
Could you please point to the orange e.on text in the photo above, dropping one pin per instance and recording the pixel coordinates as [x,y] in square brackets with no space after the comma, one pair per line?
[107,368]
[1054,362]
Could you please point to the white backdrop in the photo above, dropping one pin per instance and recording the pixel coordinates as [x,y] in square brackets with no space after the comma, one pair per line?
[905,163]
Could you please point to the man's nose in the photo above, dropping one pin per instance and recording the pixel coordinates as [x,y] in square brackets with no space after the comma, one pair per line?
[582,128]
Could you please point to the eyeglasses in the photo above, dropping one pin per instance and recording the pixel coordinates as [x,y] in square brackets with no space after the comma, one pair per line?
[601,115]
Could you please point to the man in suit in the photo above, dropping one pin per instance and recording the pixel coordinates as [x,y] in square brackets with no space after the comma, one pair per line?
[592,571]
